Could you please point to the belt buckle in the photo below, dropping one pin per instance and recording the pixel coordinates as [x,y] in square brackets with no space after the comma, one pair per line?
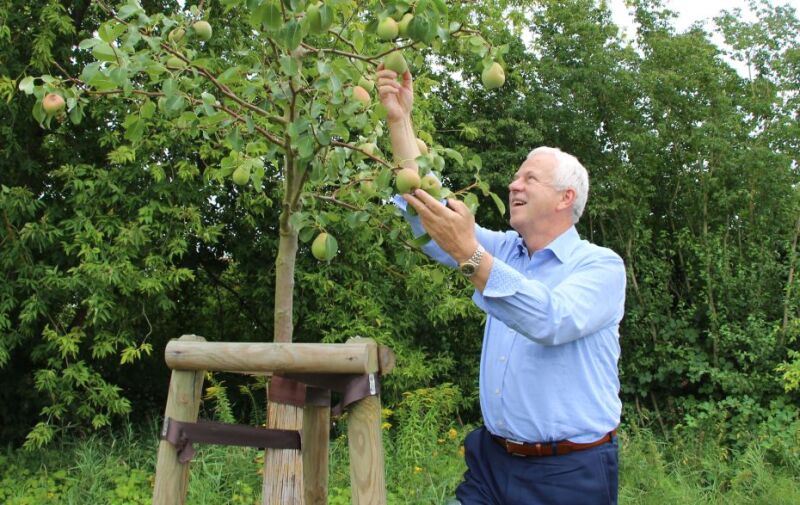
[514,443]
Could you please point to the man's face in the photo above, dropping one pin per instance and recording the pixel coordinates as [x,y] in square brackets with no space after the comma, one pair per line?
[532,199]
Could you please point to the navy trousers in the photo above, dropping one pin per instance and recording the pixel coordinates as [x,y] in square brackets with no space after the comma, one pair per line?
[495,477]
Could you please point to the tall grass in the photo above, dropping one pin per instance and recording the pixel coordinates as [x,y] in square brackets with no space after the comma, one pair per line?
[117,468]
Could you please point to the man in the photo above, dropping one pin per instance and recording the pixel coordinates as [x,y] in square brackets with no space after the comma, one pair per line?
[549,386]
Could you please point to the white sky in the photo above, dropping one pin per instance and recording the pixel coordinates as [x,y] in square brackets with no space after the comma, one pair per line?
[690,11]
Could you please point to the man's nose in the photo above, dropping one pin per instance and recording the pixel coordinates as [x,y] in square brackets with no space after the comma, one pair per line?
[514,185]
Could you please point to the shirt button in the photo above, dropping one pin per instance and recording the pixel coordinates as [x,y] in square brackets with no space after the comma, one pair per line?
[502,358]
[497,392]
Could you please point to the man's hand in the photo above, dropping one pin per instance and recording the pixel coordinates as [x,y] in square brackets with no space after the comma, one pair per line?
[398,98]
[452,227]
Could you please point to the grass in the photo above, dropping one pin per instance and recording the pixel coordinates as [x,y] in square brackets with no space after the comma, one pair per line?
[117,469]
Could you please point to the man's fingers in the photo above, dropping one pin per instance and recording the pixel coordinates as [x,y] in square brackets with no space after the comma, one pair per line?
[418,205]
[458,206]
[431,202]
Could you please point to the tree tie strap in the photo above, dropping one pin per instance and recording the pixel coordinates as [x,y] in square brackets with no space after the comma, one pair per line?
[183,434]
[314,389]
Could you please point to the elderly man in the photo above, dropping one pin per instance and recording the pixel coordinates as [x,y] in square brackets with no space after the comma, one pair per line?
[549,385]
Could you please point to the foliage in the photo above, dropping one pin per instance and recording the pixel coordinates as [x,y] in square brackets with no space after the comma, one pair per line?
[121,227]
[118,469]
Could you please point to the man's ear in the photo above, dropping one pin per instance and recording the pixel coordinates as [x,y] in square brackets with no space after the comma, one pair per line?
[567,198]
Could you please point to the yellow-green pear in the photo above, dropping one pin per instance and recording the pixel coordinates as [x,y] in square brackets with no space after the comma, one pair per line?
[395,61]
[173,62]
[402,25]
[52,103]
[493,76]
[366,83]
[324,247]
[202,29]
[388,29]
[431,185]
[406,180]
[241,176]
[361,95]
[176,35]
[369,148]
[423,147]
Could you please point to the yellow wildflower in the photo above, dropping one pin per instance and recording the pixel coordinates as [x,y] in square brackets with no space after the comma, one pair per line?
[452,433]
[385,425]
[417,469]
[461,451]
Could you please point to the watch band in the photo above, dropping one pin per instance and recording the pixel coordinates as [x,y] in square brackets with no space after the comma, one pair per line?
[470,266]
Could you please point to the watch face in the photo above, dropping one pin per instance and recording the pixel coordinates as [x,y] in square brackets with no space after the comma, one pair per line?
[468,269]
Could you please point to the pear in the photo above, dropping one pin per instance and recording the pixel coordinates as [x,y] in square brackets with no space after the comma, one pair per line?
[406,180]
[369,148]
[241,176]
[493,76]
[402,25]
[388,29]
[366,83]
[176,35]
[361,95]
[52,103]
[203,30]
[395,61]
[175,63]
[423,147]
[324,247]
[431,185]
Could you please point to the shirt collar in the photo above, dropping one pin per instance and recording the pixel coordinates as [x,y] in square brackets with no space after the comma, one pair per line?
[561,247]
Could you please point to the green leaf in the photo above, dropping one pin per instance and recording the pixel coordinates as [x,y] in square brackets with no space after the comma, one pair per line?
[26,85]
[148,109]
[88,43]
[267,16]
[76,115]
[421,240]
[501,207]
[129,10]
[455,156]
[292,34]
[104,52]
[471,201]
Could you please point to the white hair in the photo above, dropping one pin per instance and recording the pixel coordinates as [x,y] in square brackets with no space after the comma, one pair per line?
[568,173]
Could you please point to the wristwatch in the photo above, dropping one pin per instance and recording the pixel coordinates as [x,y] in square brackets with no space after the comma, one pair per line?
[470,266]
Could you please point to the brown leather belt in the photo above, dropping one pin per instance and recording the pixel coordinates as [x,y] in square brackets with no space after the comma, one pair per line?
[549,448]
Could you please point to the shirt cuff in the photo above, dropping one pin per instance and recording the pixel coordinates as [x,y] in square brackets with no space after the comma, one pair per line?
[503,280]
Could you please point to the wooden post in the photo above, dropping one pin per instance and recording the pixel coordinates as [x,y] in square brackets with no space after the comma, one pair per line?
[316,433]
[183,404]
[367,475]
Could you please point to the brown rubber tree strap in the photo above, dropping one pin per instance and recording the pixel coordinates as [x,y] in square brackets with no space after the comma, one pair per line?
[182,435]
[283,389]
[352,387]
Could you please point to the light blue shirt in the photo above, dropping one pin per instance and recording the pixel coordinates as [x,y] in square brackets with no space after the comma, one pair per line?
[551,343]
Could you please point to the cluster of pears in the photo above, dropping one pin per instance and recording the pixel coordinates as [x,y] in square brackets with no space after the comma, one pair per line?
[201,29]
[390,28]
[393,61]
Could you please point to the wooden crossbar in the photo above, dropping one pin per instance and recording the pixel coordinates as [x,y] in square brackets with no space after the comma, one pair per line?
[351,358]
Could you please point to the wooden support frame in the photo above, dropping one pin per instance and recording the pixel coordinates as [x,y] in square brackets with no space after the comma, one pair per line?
[191,356]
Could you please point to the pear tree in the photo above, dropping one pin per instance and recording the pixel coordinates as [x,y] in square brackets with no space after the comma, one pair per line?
[281,93]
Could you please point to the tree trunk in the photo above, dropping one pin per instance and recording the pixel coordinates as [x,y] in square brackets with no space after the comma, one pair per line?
[283,468]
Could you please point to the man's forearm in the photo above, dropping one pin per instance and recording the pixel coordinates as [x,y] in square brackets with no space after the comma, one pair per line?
[404,142]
